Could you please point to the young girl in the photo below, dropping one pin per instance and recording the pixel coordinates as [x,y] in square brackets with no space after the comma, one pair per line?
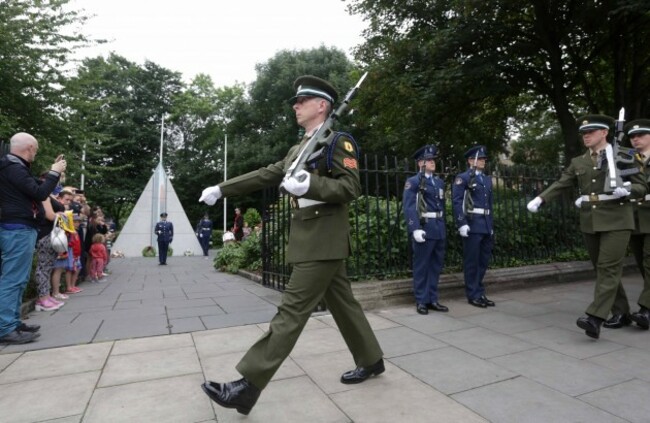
[99,257]
[72,271]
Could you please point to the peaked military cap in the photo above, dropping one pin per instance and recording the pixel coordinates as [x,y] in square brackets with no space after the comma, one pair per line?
[480,149]
[427,152]
[163,214]
[313,86]
[593,122]
[638,126]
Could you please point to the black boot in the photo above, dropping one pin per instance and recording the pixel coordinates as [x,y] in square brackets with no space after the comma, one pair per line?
[360,374]
[591,325]
[642,318]
[617,321]
[240,394]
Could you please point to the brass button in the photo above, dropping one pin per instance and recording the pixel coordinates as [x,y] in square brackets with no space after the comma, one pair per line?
[316,212]
[593,181]
[593,207]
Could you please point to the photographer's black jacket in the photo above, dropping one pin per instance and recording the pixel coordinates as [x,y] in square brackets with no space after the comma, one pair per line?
[21,193]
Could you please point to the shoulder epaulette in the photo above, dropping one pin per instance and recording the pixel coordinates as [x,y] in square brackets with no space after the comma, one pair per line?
[332,147]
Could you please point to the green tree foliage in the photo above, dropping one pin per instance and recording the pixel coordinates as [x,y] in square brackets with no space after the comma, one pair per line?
[265,128]
[453,71]
[118,106]
[36,40]
[197,132]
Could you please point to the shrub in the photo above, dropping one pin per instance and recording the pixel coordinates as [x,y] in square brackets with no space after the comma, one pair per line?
[149,251]
[240,255]
[216,238]
[252,217]
[230,258]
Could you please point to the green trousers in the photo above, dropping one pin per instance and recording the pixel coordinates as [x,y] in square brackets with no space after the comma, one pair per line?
[311,282]
[640,246]
[607,250]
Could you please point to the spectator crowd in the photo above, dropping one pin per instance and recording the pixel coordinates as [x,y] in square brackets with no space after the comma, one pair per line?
[42,220]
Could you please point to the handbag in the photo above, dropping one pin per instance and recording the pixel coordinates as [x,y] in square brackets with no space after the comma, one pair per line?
[58,238]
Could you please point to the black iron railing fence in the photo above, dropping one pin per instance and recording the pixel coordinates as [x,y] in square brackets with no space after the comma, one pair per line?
[380,244]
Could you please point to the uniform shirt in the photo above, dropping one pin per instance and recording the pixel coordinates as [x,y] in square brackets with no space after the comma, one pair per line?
[599,216]
[481,194]
[433,194]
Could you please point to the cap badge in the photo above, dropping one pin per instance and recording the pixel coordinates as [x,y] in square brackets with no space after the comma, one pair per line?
[635,127]
[584,122]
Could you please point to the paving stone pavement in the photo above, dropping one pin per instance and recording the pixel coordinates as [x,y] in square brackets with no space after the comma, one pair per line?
[136,348]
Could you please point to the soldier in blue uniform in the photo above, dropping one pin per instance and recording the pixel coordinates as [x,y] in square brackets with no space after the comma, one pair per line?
[204,233]
[472,209]
[424,205]
[165,232]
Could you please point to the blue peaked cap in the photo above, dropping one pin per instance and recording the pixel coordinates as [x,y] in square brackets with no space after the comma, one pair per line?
[427,152]
[471,153]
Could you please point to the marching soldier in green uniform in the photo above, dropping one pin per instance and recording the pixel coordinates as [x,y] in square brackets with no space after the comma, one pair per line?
[639,133]
[319,243]
[606,218]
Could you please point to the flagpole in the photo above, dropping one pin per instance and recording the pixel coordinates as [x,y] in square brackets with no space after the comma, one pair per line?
[225,178]
[162,128]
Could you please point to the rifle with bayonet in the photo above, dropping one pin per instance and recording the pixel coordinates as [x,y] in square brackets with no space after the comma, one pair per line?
[316,146]
[619,160]
[420,200]
[468,202]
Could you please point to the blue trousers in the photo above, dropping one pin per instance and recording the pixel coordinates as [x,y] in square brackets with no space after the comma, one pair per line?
[162,250]
[17,249]
[204,240]
[428,259]
[477,250]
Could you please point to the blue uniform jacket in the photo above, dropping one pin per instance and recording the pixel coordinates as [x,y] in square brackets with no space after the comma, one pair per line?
[434,195]
[165,231]
[204,227]
[481,194]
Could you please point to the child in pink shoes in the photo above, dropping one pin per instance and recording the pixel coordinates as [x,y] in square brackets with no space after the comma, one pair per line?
[99,258]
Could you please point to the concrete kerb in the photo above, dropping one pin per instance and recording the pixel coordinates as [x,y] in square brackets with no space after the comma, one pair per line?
[374,294]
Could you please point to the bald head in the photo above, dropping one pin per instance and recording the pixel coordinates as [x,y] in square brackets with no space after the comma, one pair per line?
[24,145]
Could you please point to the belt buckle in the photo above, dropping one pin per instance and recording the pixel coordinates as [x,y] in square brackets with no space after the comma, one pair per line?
[593,197]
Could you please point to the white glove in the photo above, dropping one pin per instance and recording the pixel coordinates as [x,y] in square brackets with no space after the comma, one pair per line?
[578,202]
[464,231]
[418,235]
[621,192]
[294,186]
[533,205]
[210,195]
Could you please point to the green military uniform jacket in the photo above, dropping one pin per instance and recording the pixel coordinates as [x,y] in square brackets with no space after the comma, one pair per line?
[642,214]
[322,231]
[597,216]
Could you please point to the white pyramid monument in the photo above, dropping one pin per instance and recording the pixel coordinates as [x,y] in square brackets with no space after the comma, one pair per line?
[138,231]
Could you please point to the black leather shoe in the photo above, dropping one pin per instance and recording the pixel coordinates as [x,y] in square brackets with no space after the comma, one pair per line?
[487,302]
[18,337]
[642,318]
[240,394]
[360,374]
[477,302]
[591,325]
[437,307]
[617,321]
[422,309]
[24,327]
